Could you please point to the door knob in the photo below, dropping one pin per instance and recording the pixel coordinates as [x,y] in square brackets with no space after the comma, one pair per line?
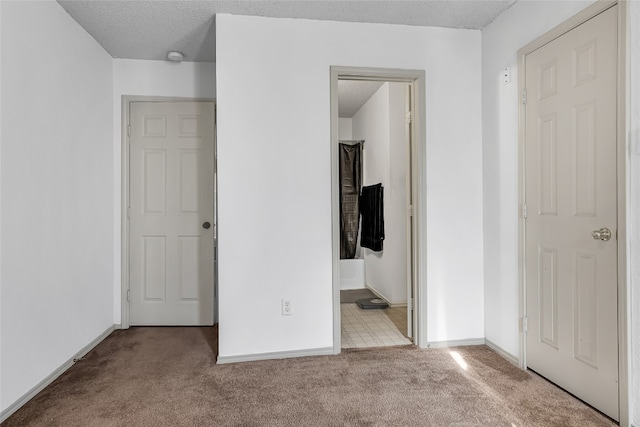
[206,225]
[603,234]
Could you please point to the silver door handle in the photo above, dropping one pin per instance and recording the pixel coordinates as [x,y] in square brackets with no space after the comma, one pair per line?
[603,234]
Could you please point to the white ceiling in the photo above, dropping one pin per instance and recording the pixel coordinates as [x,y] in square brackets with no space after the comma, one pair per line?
[148,29]
[353,94]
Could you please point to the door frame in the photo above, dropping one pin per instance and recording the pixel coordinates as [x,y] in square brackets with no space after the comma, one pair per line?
[622,186]
[418,171]
[126,100]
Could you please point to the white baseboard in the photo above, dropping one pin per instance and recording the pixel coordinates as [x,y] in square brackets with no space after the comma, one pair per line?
[324,351]
[52,376]
[398,305]
[476,341]
[506,355]
[391,304]
[377,294]
[455,343]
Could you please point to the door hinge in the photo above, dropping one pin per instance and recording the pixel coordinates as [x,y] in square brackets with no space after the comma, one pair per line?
[128,213]
[524,96]
[412,305]
[525,324]
[410,210]
[524,210]
[128,294]
[409,117]
[128,130]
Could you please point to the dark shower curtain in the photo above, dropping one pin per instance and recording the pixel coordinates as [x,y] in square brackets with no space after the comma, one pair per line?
[350,183]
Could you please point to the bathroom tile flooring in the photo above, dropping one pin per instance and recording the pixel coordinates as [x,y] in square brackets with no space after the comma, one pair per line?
[398,315]
[368,328]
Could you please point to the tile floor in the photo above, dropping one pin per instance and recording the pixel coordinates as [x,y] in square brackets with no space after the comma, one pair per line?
[398,315]
[368,328]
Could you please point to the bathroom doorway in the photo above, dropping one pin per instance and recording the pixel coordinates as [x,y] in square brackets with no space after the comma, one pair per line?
[375,193]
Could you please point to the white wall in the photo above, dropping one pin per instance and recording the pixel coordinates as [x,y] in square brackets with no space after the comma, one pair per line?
[520,24]
[57,193]
[344,128]
[275,175]
[148,78]
[381,123]
[1,407]
[371,124]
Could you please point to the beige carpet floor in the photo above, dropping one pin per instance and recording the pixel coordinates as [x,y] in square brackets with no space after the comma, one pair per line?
[168,377]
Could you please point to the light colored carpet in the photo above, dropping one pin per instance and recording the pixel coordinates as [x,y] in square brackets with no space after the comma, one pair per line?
[168,377]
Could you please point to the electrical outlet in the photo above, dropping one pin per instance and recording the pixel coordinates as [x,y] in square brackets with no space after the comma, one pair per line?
[287,310]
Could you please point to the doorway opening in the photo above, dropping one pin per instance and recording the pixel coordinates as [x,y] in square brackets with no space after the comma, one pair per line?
[377,171]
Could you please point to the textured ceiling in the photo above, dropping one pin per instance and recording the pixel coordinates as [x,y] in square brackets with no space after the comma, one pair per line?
[353,94]
[148,29]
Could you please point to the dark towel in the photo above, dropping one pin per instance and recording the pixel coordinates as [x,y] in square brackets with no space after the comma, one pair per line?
[372,209]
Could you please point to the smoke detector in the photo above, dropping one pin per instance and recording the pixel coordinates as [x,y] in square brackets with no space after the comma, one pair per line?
[175,56]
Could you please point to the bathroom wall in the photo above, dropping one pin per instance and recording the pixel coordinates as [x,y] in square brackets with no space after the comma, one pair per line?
[344,128]
[380,122]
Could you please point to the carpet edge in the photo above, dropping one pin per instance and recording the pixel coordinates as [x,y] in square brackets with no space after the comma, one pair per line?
[13,408]
[501,352]
[321,351]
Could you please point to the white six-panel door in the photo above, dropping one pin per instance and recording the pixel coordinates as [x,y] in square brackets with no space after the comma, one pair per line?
[571,274]
[171,213]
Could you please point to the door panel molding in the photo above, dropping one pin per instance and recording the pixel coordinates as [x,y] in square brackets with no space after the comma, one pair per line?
[622,186]
[126,100]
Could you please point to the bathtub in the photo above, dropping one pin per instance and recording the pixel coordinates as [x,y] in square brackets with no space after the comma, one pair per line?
[352,274]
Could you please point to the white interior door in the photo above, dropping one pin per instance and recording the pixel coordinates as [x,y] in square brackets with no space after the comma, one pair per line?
[571,273]
[171,236]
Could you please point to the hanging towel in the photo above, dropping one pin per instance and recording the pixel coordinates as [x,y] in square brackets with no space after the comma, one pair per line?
[372,209]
